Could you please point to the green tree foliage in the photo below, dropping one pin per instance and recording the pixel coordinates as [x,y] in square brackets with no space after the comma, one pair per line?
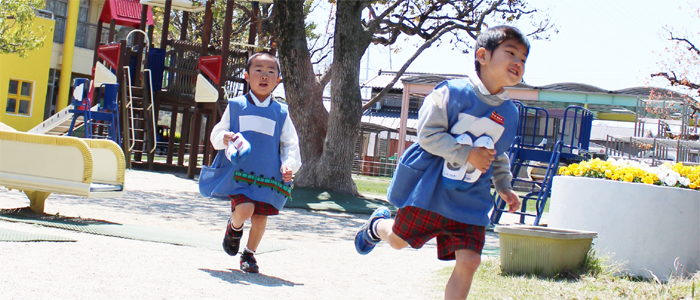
[241,23]
[16,33]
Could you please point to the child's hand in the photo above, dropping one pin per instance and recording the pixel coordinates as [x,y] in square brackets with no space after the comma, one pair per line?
[237,148]
[286,173]
[228,137]
[511,198]
[481,158]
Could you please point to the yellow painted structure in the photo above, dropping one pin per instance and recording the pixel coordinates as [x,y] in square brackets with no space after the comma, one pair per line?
[88,168]
[30,77]
[616,117]
[68,49]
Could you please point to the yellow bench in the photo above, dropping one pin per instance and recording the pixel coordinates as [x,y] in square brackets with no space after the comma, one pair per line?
[40,165]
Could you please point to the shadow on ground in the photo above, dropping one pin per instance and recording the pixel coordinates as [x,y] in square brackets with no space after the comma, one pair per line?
[240,277]
[25,213]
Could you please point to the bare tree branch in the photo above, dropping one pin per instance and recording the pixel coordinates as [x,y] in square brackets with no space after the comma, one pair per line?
[675,81]
[316,50]
[243,8]
[487,12]
[378,18]
[326,77]
[405,66]
[690,45]
[320,59]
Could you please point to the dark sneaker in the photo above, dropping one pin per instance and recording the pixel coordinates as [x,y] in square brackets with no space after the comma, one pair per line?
[232,240]
[364,243]
[248,263]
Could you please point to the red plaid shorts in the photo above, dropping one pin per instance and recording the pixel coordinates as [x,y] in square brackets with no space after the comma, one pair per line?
[417,226]
[261,208]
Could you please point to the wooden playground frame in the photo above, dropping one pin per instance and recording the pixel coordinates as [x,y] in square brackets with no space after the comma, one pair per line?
[176,65]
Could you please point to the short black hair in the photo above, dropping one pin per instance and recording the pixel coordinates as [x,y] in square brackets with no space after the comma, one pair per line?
[491,38]
[261,53]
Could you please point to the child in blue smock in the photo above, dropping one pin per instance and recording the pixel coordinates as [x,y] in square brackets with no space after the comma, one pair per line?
[262,143]
[442,183]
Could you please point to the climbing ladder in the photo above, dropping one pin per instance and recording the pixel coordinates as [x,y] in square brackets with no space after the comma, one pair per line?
[531,154]
[140,113]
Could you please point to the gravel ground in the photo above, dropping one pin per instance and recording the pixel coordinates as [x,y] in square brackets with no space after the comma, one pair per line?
[314,256]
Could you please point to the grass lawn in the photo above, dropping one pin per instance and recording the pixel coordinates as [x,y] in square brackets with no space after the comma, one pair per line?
[595,282]
[372,186]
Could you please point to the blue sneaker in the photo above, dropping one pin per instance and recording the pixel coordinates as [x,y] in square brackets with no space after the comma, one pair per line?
[364,243]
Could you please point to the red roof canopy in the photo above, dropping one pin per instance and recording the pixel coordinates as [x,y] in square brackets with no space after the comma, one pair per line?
[125,13]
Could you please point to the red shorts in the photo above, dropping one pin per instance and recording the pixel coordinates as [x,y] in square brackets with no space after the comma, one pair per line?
[261,208]
[417,226]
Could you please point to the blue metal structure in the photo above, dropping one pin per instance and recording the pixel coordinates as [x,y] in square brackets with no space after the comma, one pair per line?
[106,115]
[541,161]
[81,105]
[108,112]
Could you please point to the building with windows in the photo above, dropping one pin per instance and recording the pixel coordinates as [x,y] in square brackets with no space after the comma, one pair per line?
[24,81]
[615,113]
[32,83]
[84,45]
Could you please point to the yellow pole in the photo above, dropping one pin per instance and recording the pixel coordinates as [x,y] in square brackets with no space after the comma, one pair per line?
[68,47]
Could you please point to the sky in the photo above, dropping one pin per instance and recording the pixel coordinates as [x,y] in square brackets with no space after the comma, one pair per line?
[608,44]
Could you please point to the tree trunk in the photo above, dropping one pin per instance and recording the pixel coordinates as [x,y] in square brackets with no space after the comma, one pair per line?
[303,91]
[326,140]
[335,167]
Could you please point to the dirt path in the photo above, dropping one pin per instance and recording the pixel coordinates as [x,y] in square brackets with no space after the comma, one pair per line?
[314,256]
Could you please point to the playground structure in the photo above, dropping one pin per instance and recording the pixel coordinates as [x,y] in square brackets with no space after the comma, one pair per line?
[43,164]
[535,160]
[673,135]
[188,81]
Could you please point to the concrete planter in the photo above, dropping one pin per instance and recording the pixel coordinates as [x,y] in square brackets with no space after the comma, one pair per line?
[646,227]
[542,251]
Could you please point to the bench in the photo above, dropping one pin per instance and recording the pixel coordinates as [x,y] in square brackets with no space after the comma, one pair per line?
[40,165]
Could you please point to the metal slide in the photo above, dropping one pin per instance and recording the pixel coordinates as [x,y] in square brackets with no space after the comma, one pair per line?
[59,123]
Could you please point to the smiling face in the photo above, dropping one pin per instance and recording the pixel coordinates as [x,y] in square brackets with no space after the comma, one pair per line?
[505,66]
[263,76]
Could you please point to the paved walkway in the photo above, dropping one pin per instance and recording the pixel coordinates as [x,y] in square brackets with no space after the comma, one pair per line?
[304,255]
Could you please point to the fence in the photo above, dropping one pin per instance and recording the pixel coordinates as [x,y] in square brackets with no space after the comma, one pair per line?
[381,168]
[653,151]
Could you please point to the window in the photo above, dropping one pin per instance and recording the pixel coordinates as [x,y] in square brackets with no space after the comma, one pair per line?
[81,34]
[19,97]
[60,10]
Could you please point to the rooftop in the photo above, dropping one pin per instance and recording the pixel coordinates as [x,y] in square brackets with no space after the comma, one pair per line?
[385,77]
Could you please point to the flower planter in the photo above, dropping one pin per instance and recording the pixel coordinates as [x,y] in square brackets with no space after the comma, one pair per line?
[646,227]
[542,251]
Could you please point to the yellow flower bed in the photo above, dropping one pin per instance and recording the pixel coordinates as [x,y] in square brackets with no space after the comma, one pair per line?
[675,175]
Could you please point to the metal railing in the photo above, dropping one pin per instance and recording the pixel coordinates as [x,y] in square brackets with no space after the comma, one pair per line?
[653,151]
[182,67]
[374,168]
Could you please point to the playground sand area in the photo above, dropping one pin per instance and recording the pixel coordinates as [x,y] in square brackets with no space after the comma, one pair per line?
[305,254]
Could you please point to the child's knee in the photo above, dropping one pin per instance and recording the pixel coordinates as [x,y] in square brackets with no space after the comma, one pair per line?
[244,209]
[468,260]
[396,242]
[258,220]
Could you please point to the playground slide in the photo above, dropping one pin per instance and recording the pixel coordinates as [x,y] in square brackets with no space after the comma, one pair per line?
[59,123]
[42,164]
